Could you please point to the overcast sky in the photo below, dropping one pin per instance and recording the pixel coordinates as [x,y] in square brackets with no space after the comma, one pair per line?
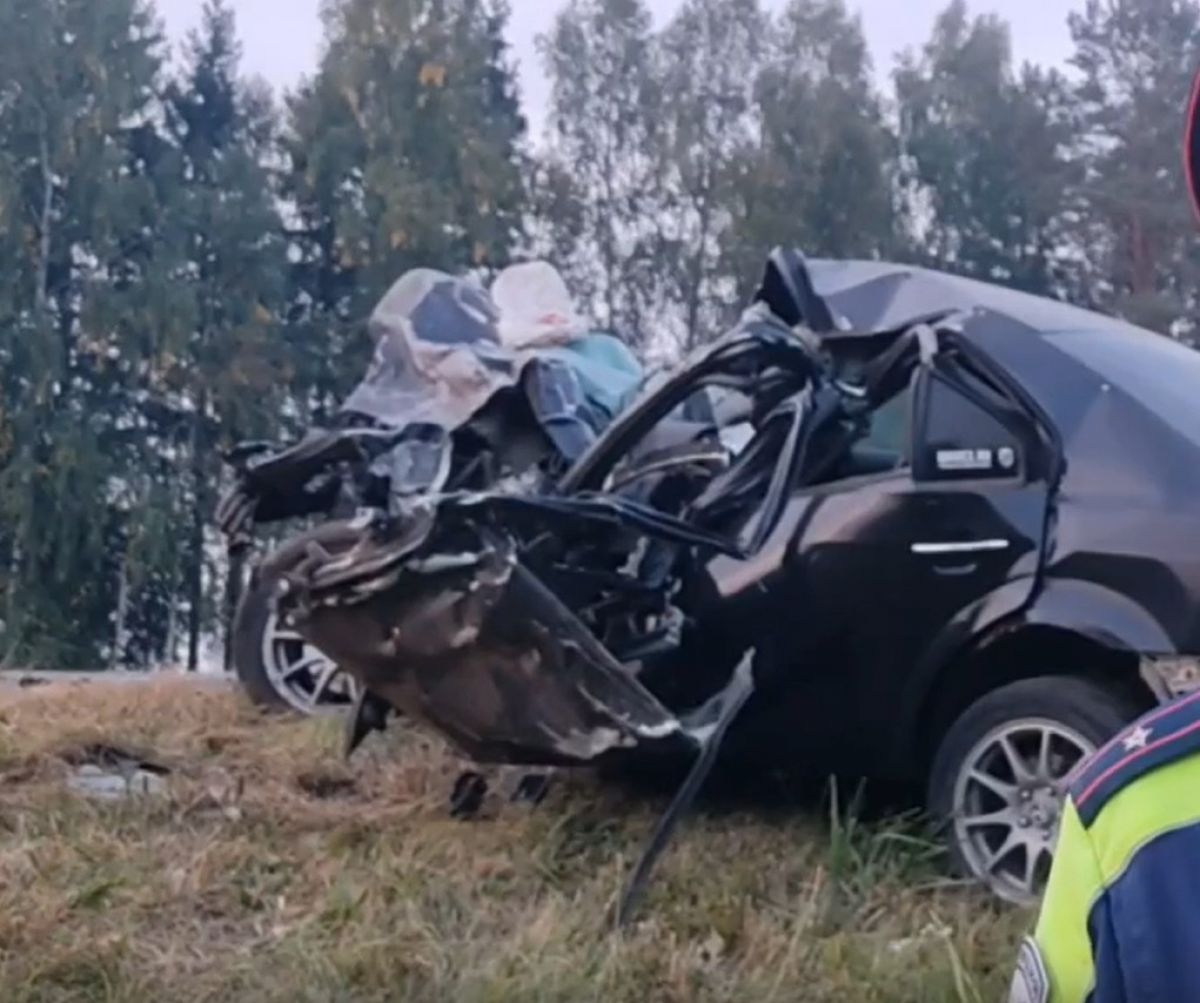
[281,38]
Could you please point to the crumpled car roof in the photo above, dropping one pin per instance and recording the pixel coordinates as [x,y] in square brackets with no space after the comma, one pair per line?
[874,296]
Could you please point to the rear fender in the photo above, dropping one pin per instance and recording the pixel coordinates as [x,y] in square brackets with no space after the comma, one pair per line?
[1091,612]
[1099,614]
[960,635]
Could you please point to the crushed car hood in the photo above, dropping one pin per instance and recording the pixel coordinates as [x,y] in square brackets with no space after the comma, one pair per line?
[435,613]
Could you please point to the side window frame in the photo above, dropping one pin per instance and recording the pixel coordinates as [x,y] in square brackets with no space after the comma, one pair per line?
[902,471]
[929,381]
[908,435]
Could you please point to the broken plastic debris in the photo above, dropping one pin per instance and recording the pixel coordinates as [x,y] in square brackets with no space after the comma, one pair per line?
[111,774]
[115,785]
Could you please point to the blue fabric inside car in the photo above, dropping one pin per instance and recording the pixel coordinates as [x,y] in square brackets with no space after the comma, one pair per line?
[578,388]
[608,372]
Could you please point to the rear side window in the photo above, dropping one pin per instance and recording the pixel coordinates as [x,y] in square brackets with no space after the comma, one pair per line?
[1162,374]
[890,430]
[958,439]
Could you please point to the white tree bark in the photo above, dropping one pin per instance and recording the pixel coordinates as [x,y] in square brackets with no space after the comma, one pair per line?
[45,223]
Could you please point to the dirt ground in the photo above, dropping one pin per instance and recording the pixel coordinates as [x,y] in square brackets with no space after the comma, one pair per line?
[264,868]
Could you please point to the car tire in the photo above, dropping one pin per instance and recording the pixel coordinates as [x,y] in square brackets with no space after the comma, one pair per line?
[298,678]
[998,778]
[250,624]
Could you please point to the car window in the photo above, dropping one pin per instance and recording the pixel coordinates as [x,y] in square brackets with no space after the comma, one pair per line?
[697,406]
[890,429]
[958,438]
[701,433]
[1160,373]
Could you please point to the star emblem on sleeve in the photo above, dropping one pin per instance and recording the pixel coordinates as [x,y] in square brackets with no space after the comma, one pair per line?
[1137,738]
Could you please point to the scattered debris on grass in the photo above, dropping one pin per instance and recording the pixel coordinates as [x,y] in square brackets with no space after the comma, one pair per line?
[263,874]
[108,773]
[97,782]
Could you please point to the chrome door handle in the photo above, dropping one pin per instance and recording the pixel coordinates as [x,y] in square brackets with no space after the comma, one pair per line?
[960,547]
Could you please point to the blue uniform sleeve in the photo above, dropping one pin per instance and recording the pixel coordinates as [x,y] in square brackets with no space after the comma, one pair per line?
[1146,928]
[1111,984]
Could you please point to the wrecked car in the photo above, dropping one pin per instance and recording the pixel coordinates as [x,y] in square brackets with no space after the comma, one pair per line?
[955,544]
[467,387]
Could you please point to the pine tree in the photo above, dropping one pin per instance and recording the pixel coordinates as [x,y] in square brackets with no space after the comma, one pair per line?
[77,222]
[600,195]
[1136,229]
[403,151]
[986,155]
[709,59]
[818,176]
[226,379]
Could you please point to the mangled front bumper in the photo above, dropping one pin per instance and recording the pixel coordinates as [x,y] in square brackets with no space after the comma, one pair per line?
[435,614]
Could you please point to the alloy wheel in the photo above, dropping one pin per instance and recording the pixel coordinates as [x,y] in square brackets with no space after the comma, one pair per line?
[1008,802]
[302,676]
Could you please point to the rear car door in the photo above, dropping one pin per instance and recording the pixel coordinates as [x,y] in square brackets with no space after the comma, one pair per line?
[896,567]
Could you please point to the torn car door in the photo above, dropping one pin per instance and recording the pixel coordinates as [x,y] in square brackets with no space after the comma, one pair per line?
[891,567]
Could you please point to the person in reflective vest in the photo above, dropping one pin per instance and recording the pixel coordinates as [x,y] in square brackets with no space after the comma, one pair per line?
[1120,922]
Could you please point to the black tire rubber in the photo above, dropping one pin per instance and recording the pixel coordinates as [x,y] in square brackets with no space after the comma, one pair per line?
[1095,711]
[249,626]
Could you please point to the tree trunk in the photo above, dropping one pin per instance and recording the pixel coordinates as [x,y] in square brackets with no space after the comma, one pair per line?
[20,561]
[171,651]
[696,279]
[233,594]
[1142,258]
[42,275]
[12,641]
[120,634]
[195,570]
[607,216]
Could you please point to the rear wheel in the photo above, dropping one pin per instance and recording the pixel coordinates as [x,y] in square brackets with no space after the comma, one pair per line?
[999,776]
[277,667]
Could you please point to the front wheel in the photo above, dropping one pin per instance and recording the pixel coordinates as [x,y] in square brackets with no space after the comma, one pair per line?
[277,668]
[999,778]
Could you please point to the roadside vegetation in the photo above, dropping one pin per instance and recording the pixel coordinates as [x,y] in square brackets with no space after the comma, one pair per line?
[188,261]
[270,870]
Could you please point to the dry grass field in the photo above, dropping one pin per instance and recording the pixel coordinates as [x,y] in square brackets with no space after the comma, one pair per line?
[270,870]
